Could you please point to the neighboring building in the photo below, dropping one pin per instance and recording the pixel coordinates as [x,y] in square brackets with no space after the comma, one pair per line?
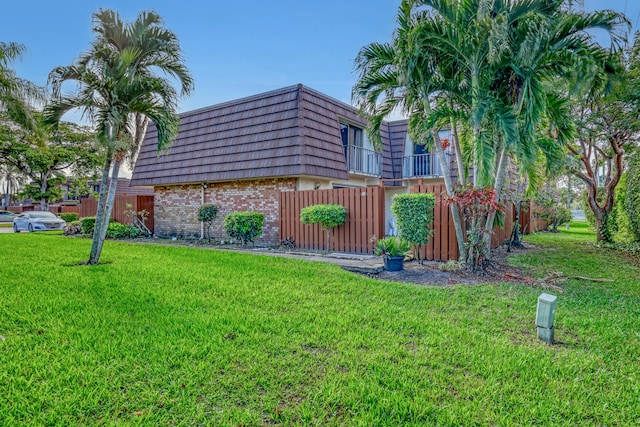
[241,154]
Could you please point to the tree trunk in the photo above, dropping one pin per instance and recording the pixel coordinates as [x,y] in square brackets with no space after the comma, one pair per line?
[96,246]
[108,208]
[448,184]
[458,152]
[44,205]
[499,181]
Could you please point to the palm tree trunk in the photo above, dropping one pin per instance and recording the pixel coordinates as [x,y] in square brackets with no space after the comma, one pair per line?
[499,182]
[108,208]
[96,246]
[456,149]
[448,184]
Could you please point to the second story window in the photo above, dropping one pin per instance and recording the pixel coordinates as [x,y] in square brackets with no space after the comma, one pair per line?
[351,135]
[360,156]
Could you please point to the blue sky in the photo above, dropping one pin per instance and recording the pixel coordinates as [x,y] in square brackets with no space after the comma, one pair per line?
[232,48]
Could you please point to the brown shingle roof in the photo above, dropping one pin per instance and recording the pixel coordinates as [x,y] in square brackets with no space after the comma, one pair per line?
[292,131]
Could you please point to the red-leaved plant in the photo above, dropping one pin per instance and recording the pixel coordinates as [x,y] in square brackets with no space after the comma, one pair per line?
[475,204]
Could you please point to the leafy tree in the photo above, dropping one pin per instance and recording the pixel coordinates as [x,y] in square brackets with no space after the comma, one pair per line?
[44,154]
[609,126]
[328,216]
[117,88]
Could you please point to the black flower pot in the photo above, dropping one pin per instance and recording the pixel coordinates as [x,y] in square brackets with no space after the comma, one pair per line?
[394,263]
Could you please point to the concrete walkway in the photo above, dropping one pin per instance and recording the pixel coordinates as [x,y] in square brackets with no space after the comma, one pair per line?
[364,264]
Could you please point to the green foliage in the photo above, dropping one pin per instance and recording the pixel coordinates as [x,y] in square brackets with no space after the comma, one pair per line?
[414,215]
[550,207]
[88,223]
[244,226]
[328,216]
[392,246]
[632,202]
[623,223]
[117,230]
[69,216]
[207,214]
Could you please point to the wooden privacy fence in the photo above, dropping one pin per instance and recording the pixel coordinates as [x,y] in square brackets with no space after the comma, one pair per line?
[365,218]
[442,245]
[89,207]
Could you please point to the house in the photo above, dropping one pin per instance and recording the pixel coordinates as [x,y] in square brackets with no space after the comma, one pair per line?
[240,155]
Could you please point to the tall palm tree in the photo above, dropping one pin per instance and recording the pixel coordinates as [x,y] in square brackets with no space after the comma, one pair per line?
[485,64]
[117,85]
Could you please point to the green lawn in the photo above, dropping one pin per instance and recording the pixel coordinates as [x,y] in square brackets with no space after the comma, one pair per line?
[160,335]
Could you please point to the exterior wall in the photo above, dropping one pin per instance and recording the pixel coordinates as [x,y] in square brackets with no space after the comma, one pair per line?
[176,207]
[311,183]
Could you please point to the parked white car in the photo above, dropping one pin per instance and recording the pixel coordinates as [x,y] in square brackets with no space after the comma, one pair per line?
[6,216]
[37,221]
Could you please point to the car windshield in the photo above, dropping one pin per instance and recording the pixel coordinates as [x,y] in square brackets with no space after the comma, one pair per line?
[47,215]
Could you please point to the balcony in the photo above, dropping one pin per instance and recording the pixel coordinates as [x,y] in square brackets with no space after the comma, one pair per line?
[421,165]
[363,161]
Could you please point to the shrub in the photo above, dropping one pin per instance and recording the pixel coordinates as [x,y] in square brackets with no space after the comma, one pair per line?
[88,223]
[414,215]
[632,202]
[73,228]
[69,216]
[207,214]
[118,230]
[328,216]
[244,226]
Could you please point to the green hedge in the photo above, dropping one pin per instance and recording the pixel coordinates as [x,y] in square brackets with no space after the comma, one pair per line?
[244,226]
[632,200]
[414,215]
[88,223]
[69,216]
[117,230]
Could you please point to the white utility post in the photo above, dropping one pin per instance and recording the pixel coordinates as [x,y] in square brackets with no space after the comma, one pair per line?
[544,317]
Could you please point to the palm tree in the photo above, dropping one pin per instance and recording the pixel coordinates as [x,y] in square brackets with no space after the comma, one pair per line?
[15,93]
[486,65]
[399,75]
[117,85]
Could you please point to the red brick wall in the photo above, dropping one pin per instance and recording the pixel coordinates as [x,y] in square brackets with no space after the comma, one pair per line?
[176,206]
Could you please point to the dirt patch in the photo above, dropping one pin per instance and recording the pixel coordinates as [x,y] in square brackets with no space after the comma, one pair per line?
[498,271]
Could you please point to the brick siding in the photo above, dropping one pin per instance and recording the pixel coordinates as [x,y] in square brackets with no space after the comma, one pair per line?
[176,207]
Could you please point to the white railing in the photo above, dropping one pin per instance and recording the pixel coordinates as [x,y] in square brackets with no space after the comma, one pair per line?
[421,165]
[363,160]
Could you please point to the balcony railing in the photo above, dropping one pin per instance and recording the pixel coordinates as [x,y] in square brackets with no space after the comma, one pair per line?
[363,160]
[421,165]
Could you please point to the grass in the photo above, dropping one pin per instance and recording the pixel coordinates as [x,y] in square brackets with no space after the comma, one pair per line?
[170,335]
[6,224]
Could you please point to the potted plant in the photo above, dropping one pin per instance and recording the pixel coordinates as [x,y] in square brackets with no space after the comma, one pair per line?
[393,250]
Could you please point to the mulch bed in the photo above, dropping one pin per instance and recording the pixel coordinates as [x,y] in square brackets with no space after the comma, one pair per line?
[498,271]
